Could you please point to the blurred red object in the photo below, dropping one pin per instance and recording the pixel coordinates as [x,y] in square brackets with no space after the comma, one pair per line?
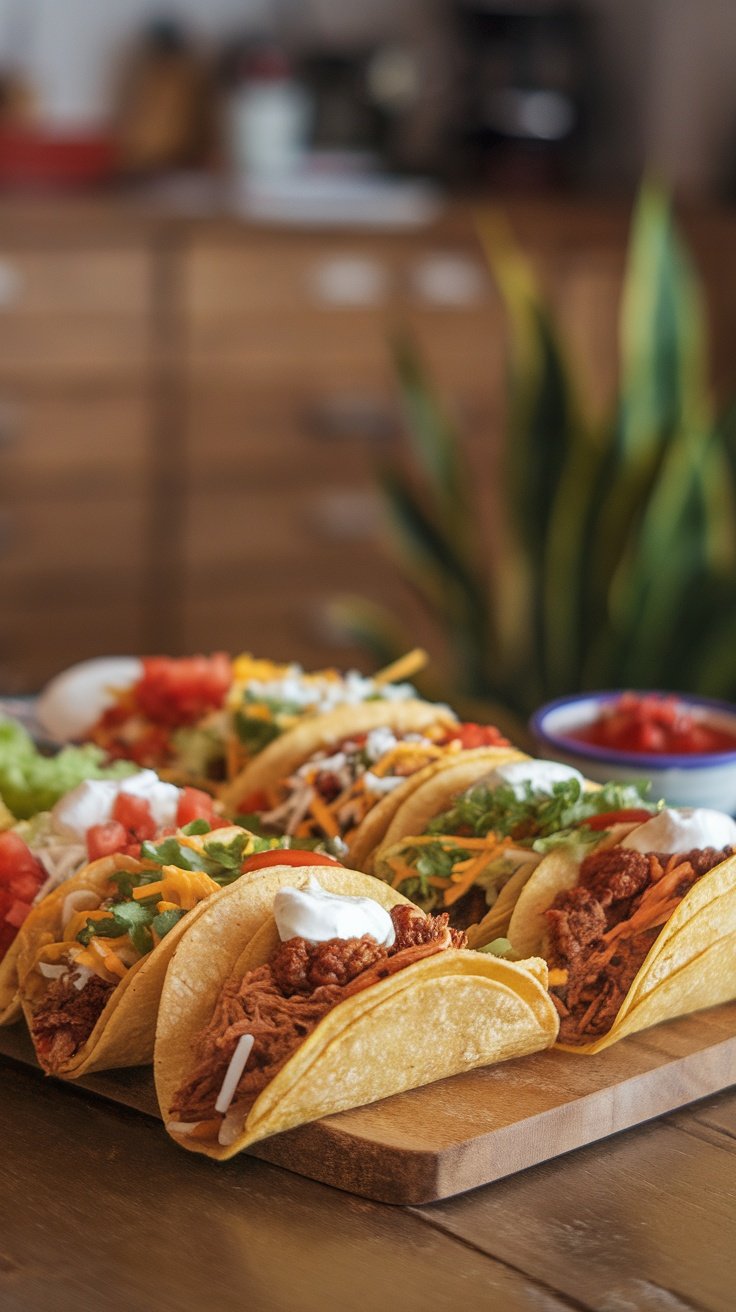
[35,159]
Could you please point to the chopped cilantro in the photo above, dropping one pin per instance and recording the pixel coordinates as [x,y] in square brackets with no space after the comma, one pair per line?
[165,920]
[228,855]
[254,732]
[141,938]
[108,927]
[128,914]
[171,853]
[196,827]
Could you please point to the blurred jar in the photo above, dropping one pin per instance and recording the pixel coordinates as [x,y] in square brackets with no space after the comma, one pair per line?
[163,120]
[268,117]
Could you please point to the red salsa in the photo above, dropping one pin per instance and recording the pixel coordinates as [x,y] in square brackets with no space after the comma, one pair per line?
[655,724]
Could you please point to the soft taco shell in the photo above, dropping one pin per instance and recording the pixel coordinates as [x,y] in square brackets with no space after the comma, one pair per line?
[370,833]
[285,754]
[691,964]
[440,1016]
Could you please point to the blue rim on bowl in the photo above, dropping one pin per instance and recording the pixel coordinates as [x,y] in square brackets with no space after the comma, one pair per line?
[642,760]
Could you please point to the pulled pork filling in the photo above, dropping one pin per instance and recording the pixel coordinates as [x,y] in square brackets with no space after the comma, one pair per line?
[600,931]
[280,1003]
[66,1017]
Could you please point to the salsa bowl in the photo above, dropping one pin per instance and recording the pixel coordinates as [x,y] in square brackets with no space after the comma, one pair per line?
[569,730]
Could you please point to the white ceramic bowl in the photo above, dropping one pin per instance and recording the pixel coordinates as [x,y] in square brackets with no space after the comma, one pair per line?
[689,779]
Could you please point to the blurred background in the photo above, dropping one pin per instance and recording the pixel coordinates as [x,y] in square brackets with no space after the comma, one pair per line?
[215,219]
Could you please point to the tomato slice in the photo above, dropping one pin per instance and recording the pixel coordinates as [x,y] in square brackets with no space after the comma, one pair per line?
[254,802]
[195,804]
[107,839]
[179,690]
[134,814]
[17,913]
[625,816]
[16,859]
[287,857]
[477,735]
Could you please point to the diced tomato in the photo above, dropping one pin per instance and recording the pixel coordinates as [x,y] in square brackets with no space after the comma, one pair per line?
[626,816]
[254,802]
[286,857]
[107,839]
[134,814]
[21,877]
[477,735]
[176,691]
[17,913]
[26,883]
[654,724]
[195,804]
[16,858]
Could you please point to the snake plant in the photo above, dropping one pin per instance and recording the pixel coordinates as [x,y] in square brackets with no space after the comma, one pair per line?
[617,565]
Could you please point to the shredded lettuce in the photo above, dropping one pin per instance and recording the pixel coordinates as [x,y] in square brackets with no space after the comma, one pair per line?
[534,816]
[500,947]
[199,749]
[31,782]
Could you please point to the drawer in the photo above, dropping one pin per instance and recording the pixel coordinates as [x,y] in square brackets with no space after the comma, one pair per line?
[76,314]
[344,274]
[71,444]
[293,621]
[53,352]
[280,438]
[287,276]
[291,349]
[259,532]
[64,541]
[74,282]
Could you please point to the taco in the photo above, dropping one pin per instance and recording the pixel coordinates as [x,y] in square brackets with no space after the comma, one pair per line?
[468,840]
[639,930]
[100,817]
[91,957]
[268,700]
[347,773]
[333,1003]
[170,716]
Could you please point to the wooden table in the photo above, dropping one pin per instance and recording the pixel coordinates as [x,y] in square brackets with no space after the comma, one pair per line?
[99,1210]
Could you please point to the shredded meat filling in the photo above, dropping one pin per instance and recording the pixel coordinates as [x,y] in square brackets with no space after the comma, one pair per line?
[597,938]
[280,1003]
[66,1017]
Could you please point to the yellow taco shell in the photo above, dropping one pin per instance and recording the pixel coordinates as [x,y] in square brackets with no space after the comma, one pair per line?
[437,1017]
[690,966]
[286,753]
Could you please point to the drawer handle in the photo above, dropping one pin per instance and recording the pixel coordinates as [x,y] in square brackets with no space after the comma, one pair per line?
[10,423]
[350,417]
[449,280]
[348,280]
[346,515]
[11,284]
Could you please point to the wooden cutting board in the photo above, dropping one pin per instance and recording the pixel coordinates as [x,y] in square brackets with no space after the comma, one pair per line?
[452,1136]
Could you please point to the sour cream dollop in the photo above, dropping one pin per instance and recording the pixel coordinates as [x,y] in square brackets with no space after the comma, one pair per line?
[541,775]
[316,915]
[92,802]
[682,831]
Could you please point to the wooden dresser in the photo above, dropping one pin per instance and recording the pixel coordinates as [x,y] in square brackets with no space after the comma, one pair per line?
[191,412]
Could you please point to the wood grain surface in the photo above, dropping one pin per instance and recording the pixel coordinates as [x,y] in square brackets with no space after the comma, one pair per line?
[99,1210]
[452,1136]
